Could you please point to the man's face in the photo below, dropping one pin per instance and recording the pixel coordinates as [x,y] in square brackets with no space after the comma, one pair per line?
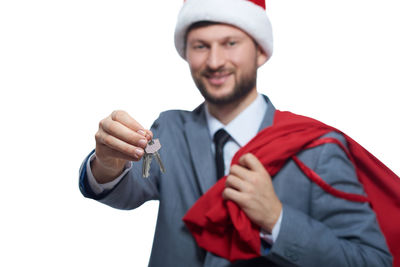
[223,61]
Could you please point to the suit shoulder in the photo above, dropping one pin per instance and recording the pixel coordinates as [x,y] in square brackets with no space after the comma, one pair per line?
[333,134]
[176,117]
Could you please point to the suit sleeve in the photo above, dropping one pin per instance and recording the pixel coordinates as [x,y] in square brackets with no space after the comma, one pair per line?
[330,231]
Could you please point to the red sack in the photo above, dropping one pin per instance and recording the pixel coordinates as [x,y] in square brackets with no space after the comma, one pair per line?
[222,228]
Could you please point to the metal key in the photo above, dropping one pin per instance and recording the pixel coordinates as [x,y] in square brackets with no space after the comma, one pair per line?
[146,164]
[149,152]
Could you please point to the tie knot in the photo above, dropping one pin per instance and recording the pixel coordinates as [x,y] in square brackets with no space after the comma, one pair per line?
[221,137]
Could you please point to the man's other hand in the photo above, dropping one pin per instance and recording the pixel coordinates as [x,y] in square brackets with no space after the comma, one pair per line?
[249,185]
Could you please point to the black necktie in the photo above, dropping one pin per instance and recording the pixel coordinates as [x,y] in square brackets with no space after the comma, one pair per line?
[220,139]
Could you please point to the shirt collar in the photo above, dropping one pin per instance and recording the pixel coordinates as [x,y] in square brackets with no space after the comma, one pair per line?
[249,119]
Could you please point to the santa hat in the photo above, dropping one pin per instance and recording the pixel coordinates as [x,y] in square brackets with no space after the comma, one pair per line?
[247,15]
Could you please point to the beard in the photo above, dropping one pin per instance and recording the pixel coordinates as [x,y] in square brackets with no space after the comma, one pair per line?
[244,84]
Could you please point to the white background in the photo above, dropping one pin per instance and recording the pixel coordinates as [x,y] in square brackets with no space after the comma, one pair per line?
[64,65]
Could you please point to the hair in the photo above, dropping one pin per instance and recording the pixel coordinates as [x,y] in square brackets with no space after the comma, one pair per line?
[199,24]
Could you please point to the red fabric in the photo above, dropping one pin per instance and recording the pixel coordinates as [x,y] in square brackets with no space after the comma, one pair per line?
[221,227]
[260,3]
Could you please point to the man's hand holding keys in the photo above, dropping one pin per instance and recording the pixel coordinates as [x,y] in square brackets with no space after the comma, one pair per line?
[119,139]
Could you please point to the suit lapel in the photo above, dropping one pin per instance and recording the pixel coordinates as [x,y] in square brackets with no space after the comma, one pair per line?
[199,143]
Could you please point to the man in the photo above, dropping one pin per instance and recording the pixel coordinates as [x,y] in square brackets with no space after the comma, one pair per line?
[224,43]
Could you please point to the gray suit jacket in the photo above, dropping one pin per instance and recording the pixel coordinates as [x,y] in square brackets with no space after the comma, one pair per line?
[317,229]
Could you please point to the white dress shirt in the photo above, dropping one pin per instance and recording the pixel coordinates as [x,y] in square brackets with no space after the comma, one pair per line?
[249,119]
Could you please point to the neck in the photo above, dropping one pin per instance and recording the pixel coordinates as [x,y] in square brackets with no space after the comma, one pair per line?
[226,113]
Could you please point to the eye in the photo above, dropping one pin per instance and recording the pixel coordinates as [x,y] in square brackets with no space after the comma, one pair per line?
[232,43]
[198,46]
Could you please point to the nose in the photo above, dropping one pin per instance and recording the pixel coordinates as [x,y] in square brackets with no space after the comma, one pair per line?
[216,58]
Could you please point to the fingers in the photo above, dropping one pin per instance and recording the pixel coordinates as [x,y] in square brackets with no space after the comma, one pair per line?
[121,136]
[248,175]
[233,195]
[237,190]
[122,132]
[251,162]
[124,118]
[239,171]
[123,156]
[235,182]
[114,147]
[250,186]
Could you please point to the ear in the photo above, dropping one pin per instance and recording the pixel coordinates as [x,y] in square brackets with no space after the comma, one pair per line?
[262,57]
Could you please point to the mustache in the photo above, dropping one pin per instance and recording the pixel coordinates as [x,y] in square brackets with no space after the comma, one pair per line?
[221,71]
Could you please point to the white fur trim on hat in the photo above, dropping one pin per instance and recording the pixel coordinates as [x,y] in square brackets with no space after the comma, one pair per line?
[243,14]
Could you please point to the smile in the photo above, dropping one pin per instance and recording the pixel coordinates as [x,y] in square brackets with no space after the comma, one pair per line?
[217,79]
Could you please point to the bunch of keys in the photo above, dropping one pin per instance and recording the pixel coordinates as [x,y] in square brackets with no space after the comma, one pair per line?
[151,151]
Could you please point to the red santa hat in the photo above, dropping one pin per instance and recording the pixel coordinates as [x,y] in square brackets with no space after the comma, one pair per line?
[247,15]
